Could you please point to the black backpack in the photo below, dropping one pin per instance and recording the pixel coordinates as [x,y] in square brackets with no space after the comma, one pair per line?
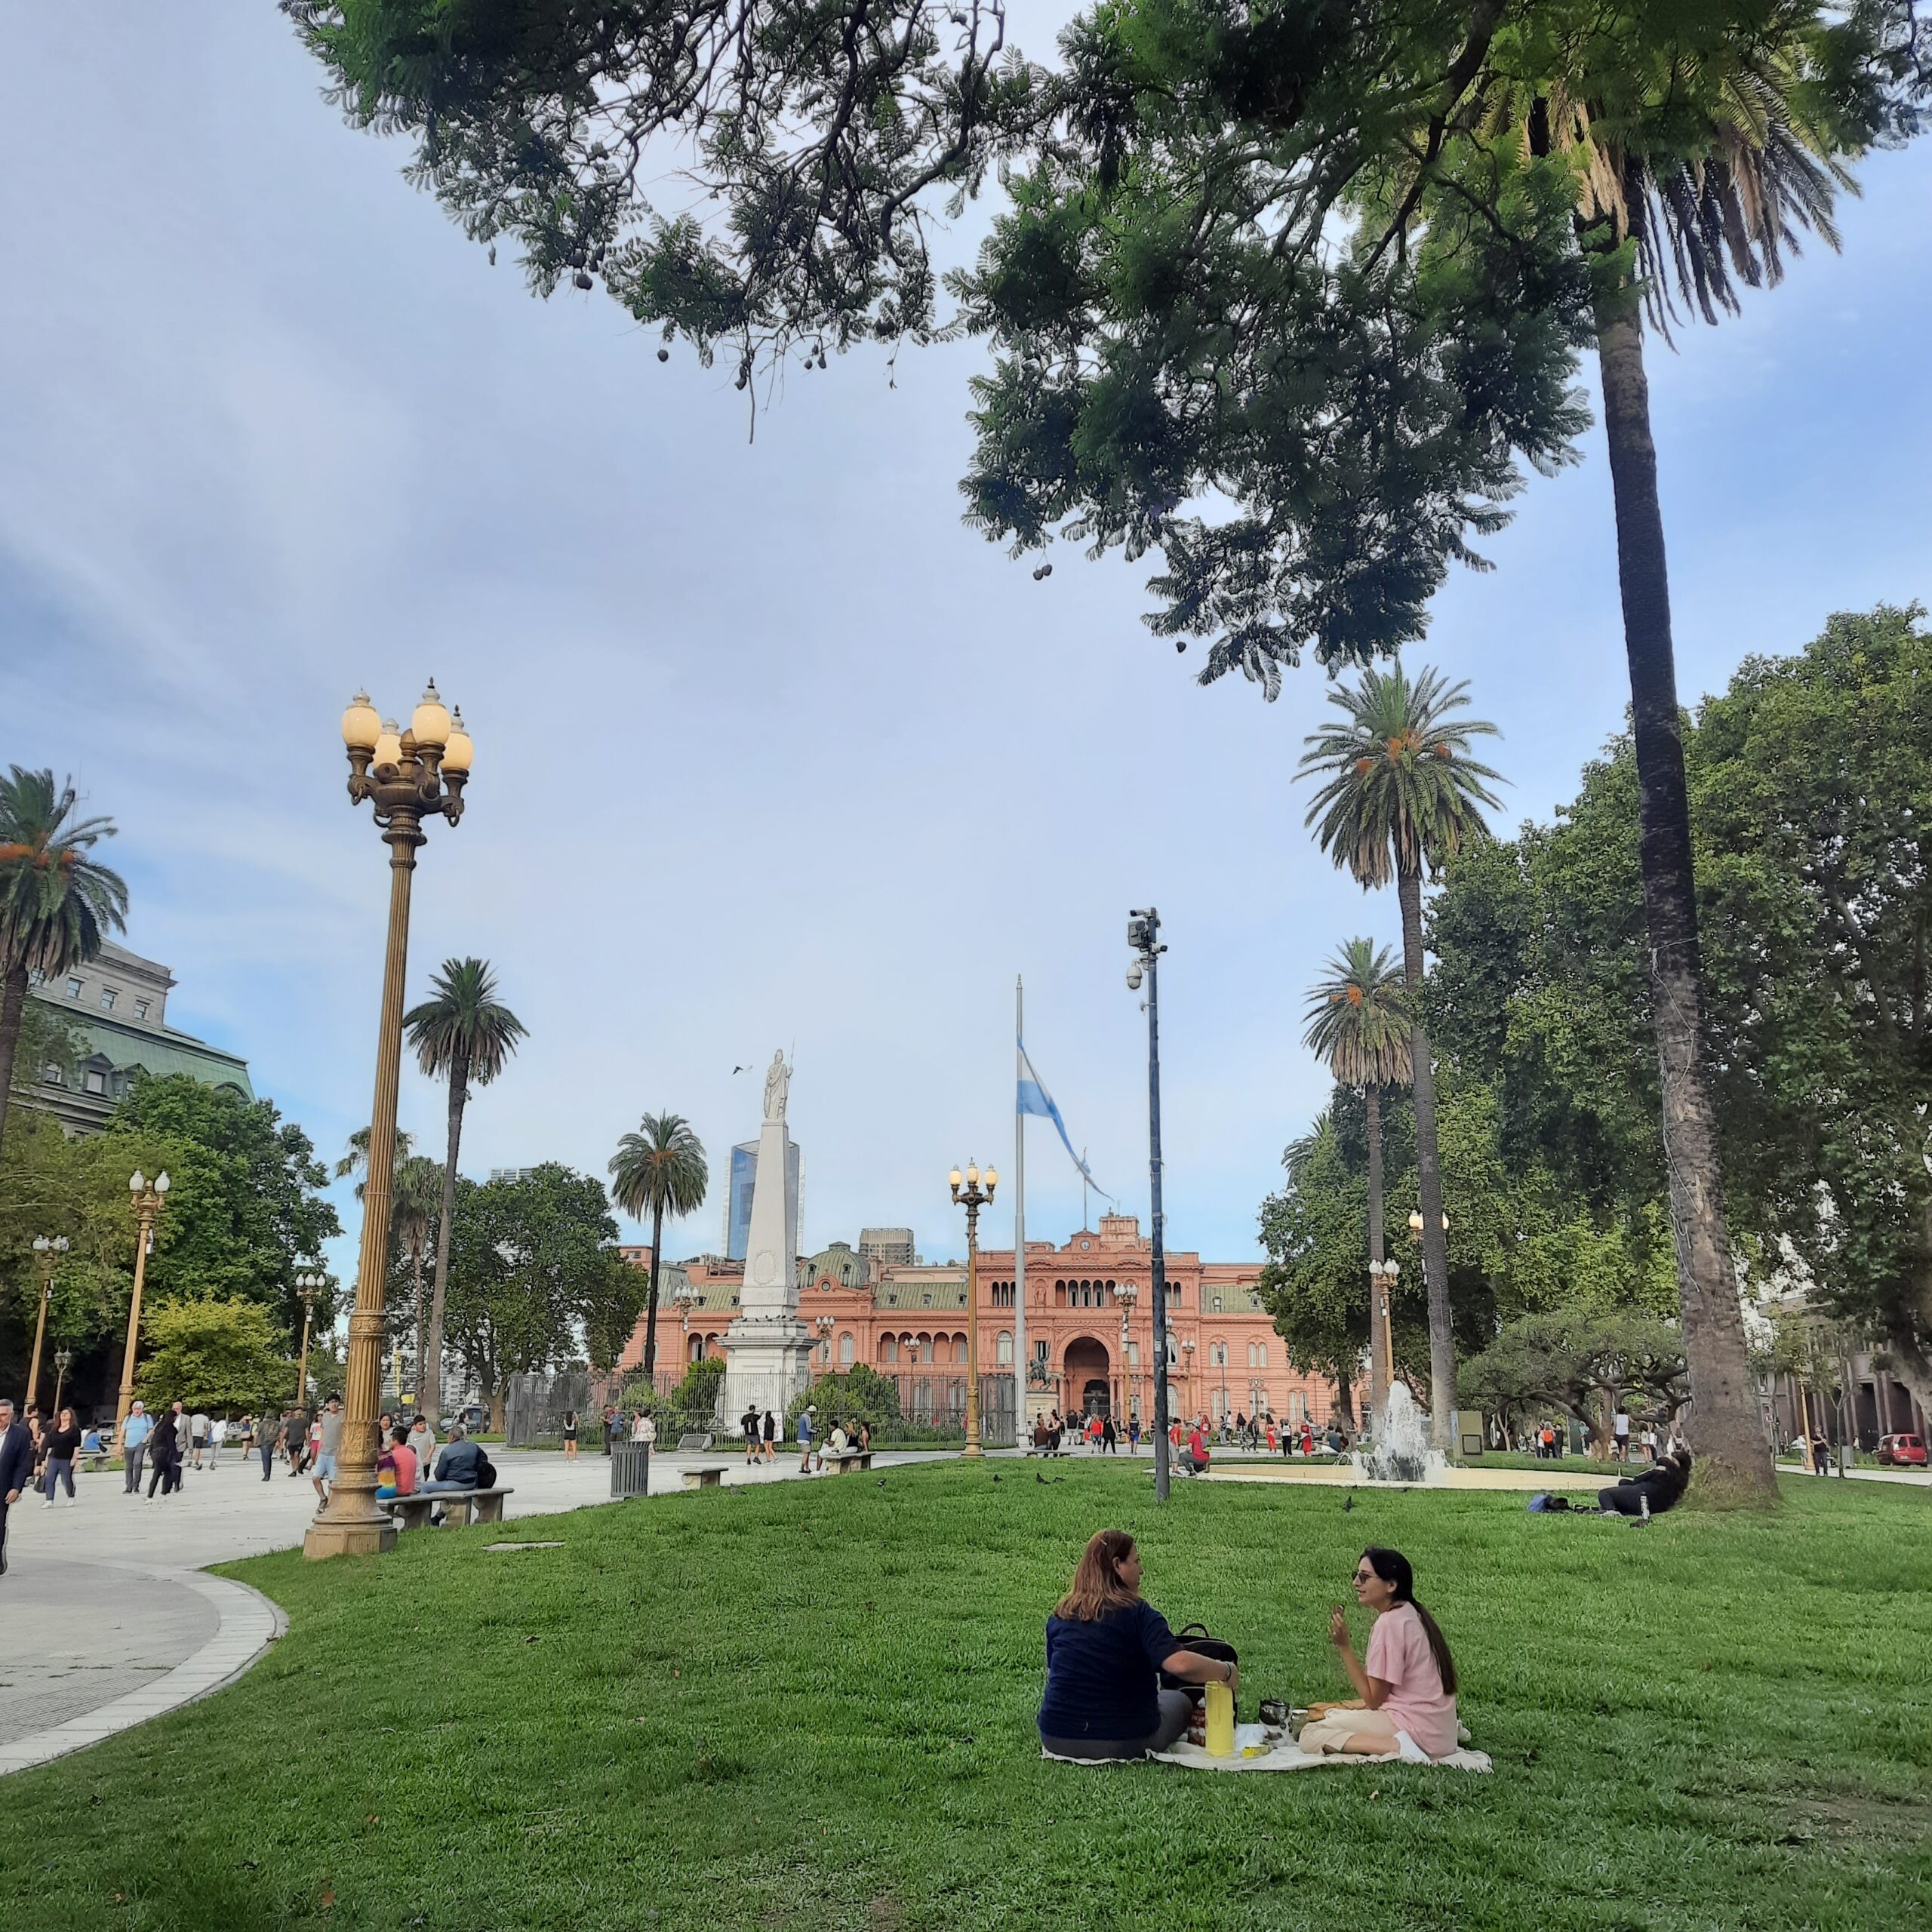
[486,1471]
[1194,1636]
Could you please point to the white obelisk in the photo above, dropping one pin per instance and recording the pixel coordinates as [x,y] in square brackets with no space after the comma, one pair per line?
[767,1348]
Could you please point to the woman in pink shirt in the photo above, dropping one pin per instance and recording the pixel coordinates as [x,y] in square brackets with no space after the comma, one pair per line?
[1408,1682]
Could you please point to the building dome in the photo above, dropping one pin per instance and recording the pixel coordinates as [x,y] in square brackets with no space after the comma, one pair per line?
[840,1262]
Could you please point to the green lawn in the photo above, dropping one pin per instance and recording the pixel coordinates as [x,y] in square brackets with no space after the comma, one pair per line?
[811,1706]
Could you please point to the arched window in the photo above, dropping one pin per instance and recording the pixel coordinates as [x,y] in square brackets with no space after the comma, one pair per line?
[848,1348]
[694,1349]
[1261,1354]
[959,1352]
[1218,1355]
[1059,1294]
[1251,1355]
[888,1350]
[925,1348]
[1003,1349]
[1134,1355]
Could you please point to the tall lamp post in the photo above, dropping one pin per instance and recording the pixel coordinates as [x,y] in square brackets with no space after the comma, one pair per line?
[46,1252]
[824,1326]
[1187,1348]
[62,1358]
[967,1193]
[408,777]
[1126,1294]
[686,1299]
[1382,1275]
[1144,935]
[1415,1235]
[307,1287]
[147,1198]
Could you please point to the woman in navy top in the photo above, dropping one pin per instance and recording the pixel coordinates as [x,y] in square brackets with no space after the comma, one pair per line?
[1106,1649]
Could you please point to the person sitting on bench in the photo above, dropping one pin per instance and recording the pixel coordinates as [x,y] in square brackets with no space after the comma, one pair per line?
[1651,1491]
[396,1467]
[1106,1649]
[1407,1684]
[458,1465]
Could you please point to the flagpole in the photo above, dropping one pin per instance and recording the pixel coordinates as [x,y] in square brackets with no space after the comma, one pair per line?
[1019,1362]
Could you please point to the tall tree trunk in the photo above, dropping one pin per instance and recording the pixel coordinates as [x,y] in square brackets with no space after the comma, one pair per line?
[1345,1405]
[13,1008]
[1733,1465]
[651,1304]
[1428,1178]
[1378,1368]
[433,1341]
[416,1263]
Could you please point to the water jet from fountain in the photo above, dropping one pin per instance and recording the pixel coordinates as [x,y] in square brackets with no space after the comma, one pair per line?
[1401,1453]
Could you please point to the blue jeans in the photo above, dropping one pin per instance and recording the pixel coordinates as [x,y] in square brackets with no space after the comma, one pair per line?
[59,1468]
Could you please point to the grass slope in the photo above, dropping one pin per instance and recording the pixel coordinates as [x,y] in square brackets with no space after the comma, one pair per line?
[807,1706]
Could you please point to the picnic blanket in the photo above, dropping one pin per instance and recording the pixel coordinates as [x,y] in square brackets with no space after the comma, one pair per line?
[1286,1755]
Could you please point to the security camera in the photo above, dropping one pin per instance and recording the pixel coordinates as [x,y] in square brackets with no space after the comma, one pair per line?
[1133,977]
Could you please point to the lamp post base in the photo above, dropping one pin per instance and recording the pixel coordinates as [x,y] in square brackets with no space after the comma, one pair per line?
[972,1449]
[364,1538]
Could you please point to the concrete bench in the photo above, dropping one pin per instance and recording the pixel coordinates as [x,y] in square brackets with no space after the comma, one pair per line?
[461,1506]
[852,1459]
[701,1478]
[693,1445]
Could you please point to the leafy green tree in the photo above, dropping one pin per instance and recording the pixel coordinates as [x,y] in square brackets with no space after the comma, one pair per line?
[58,903]
[245,1214]
[47,1039]
[1358,1023]
[1401,795]
[660,1168]
[697,1395]
[532,1258]
[216,1353]
[1586,1363]
[416,1203]
[464,1033]
[355,1158]
[852,1395]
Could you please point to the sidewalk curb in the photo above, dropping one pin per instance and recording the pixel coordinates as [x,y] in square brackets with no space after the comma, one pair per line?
[249,1622]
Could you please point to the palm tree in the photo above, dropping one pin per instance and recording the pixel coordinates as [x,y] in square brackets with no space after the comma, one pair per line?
[465,1034]
[1402,794]
[57,903]
[1712,182]
[356,1160]
[660,1168]
[1358,1022]
[415,1204]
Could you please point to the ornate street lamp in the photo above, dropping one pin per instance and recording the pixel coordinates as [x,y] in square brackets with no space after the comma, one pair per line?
[307,1287]
[1382,1277]
[47,1253]
[62,1360]
[824,1325]
[686,1299]
[967,1193]
[408,777]
[1126,1294]
[147,1199]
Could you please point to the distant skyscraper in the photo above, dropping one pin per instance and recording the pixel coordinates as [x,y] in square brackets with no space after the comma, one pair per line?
[891,1246]
[738,1196]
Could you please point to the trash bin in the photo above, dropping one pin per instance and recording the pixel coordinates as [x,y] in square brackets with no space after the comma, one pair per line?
[630,1468]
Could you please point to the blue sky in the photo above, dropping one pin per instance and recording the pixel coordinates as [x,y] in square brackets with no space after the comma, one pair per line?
[771,749]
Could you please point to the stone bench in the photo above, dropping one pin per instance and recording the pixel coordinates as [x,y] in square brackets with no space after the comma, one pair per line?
[852,1459]
[701,1478]
[462,1506]
[693,1445]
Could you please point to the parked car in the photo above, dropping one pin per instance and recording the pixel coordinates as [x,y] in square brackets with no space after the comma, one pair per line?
[1902,1452]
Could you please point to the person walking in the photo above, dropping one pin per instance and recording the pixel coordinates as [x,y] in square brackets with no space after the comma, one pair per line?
[1109,1437]
[748,1427]
[135,1434]
[1619,1429]
[63,1445]
[570,1436]
[805,1439]
[164,1452]
[16,1467]
[267,1434]
[771,1437]
[217,1435]
[329,1444]
[295,1438]
[610,1426]
[197,1436]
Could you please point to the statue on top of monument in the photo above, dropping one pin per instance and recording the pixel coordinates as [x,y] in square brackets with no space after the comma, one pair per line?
[777,1085]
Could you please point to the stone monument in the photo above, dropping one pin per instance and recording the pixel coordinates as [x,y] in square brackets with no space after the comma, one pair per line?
[767,1348]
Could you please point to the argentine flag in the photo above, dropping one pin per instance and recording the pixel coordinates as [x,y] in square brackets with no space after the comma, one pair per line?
[1033,1098]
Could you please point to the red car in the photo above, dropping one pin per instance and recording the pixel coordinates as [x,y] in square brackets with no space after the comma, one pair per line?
[1902,1452]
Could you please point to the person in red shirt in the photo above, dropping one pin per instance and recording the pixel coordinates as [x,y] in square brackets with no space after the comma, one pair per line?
[1196,1448]
[395,1468]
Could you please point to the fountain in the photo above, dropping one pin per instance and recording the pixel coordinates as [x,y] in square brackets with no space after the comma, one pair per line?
[1401,1453]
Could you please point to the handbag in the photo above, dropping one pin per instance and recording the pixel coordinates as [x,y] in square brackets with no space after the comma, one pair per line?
[1194,1637]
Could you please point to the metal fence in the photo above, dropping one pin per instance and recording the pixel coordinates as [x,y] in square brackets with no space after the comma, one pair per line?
[536,1403]
[938,1402]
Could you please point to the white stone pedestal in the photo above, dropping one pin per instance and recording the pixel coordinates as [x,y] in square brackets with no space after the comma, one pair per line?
[768,1361]
[767,1348]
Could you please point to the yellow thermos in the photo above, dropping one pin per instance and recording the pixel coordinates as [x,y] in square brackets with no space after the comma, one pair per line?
[1220,1720]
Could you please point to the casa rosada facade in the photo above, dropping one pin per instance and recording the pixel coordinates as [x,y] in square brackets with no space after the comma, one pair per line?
[1089,1327]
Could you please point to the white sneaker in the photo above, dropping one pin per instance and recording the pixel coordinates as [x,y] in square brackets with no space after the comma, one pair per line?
[47,1502]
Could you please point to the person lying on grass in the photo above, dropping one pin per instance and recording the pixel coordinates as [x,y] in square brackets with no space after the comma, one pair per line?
[1106,1649]
[1408,1684]
[1652,1492]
